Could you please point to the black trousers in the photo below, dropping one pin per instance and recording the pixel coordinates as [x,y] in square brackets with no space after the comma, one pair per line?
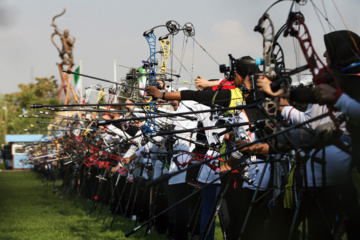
[179,216]
[235,208]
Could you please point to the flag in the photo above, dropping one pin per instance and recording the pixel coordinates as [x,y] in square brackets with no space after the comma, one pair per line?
[76,80]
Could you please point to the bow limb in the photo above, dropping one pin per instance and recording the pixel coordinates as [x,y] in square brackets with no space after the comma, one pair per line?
[321,73]
[165,45]
[53,41]
[56,16]
[150,37]
[173,28]
[273,61]
[56,30]
[266,28]
[297,28]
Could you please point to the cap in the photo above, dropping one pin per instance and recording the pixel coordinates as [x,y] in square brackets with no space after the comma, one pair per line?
[182,89]
[246,66]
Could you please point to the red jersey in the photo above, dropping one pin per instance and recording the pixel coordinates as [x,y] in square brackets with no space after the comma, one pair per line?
[227,85]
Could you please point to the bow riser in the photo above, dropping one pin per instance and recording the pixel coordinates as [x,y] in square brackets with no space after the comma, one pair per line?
[298,29]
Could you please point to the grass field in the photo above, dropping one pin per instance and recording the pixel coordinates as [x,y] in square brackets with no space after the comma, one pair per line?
[30,211]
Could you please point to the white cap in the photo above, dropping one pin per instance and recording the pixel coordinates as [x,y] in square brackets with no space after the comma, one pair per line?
[182,89]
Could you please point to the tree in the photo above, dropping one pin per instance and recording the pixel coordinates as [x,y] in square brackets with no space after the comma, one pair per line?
[14,104]
[46,87]
[43,91]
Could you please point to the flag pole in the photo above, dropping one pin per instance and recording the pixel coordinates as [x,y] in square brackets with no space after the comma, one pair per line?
[80,84]
[115,79]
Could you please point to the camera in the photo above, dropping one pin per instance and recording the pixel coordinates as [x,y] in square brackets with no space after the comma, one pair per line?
[224,69]
[228,69]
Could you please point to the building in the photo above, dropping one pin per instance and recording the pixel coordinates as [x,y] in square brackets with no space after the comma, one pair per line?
[16,149]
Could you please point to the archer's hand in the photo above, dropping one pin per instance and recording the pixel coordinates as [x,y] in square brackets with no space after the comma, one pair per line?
[324,93]
[106,117]
[130,107]
[201,82]
[115,169]
[153,91]
[264,85]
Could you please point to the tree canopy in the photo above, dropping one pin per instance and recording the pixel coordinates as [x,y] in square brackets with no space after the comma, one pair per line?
[43,91]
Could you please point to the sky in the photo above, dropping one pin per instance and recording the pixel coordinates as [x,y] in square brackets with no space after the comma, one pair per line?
[112,30]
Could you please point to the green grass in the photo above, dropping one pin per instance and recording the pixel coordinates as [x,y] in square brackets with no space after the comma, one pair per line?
[30,211]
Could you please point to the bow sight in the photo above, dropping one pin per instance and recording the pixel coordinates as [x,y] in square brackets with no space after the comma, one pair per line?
[229,71]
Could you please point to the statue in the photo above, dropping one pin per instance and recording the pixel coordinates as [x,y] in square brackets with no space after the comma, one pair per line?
[65,53]
[67,58]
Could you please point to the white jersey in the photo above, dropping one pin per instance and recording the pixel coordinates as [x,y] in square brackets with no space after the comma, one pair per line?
[337,161]
[181,146]
[206,174]
[157,154]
